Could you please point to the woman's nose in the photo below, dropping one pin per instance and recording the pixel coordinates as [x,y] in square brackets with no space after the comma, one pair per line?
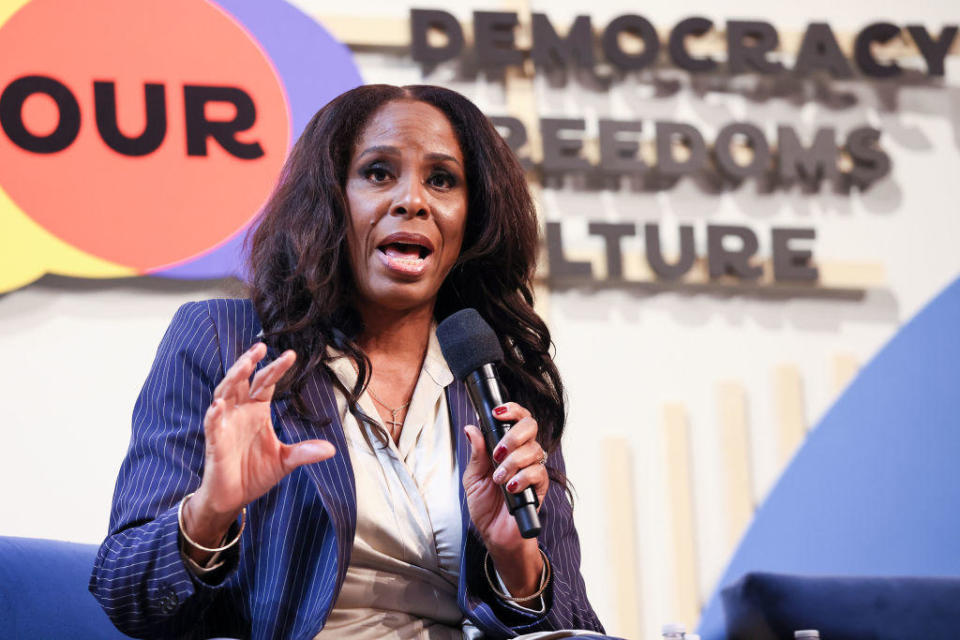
[411,199]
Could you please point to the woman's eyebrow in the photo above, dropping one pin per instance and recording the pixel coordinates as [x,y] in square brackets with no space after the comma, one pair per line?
[385,149]
[394,151]
[439,157]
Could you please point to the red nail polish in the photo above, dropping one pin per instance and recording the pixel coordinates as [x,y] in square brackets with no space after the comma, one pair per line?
[499,454]
[512,485]
[499,411]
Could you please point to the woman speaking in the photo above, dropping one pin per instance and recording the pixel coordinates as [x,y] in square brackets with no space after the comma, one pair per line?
[303,464]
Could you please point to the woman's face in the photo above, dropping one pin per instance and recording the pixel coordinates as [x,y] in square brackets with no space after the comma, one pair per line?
[407,198]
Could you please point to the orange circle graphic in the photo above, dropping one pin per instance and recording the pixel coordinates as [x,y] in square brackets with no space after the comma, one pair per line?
[205,179]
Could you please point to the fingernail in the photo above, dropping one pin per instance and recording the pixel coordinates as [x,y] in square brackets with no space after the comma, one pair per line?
[498,475]
[499,453]
[512,485]
[499,411]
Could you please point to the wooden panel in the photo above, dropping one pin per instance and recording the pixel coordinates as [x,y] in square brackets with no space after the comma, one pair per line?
[845,367]
[622,536]
[791,415]
[372,32]
[735,446]
[852,274]
[680,495]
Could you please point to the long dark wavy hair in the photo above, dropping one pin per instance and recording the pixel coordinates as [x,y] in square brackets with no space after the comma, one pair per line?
[302,282]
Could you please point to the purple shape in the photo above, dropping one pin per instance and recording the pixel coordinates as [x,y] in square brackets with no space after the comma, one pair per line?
[225,259]
[313,68]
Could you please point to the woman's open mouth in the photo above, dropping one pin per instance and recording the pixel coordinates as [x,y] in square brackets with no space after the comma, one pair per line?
[405,253]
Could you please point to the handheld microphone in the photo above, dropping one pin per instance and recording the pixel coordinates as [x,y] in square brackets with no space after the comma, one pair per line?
[471,349]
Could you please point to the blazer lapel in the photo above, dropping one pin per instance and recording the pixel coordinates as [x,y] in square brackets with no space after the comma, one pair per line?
[333,477]
[461,414]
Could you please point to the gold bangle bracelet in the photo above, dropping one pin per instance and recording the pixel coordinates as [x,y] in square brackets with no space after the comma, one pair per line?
[544,580]
[200,547]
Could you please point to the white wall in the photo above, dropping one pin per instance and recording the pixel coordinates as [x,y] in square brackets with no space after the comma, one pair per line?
[77,354]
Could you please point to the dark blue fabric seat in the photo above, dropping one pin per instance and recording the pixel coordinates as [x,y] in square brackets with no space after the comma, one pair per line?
[43,592]
[771,606]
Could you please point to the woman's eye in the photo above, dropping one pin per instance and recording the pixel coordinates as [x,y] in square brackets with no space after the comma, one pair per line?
[442,180]
[377,174]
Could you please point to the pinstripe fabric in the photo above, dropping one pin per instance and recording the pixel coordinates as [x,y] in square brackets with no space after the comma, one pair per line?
[295,550]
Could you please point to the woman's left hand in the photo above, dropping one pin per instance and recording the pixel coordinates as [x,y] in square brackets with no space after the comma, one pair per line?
[518,459]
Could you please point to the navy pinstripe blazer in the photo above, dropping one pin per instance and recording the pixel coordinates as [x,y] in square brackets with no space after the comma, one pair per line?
[295,549]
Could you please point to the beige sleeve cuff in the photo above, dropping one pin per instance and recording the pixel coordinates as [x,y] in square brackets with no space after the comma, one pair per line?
[538,602]
[212,564]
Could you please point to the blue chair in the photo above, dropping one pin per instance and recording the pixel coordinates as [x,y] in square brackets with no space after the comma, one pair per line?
[43,592]
[771,606]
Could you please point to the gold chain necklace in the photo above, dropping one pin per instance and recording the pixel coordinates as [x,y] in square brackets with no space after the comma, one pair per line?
[394,423]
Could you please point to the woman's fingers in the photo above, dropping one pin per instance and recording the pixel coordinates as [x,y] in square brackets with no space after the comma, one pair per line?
[306,452]
[533,476]
[212,420]
[236,384]
[524,431]
[530,453]
[236,389]
[479,465]
[264,383]
[518,454]
[511,412]
[226,390]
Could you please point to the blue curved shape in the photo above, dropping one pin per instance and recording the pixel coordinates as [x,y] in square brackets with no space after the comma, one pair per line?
[874,489]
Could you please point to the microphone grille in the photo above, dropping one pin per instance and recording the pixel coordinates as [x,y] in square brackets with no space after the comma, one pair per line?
[467,342]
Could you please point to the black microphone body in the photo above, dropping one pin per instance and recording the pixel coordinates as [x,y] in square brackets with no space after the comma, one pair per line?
[471,348]
[486,392]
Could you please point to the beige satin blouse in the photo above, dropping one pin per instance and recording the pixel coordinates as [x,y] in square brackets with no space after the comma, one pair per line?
[405,564]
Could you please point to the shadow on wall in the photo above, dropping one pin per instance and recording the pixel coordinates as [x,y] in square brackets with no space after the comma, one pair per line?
[696,306]
[22,302]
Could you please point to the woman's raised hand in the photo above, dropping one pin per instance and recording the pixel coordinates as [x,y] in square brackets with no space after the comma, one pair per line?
[244,458]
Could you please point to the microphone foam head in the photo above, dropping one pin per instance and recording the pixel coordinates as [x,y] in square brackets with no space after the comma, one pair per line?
[467,342]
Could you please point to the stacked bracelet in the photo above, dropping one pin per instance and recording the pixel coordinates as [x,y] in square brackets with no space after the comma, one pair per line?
[183,531]
[544,580]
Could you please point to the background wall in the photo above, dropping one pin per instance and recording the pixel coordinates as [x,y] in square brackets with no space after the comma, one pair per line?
[696,399]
